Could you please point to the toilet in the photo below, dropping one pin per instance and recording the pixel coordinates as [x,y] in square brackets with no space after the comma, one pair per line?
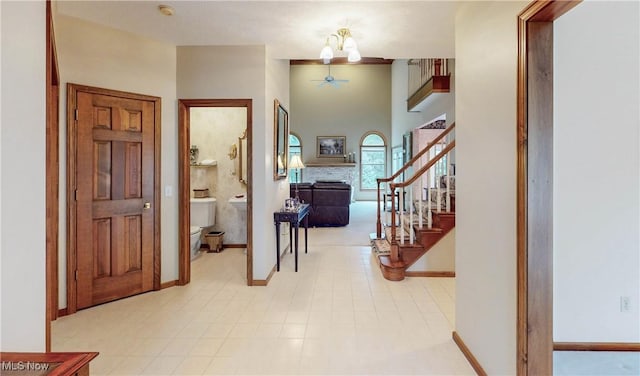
[203,217]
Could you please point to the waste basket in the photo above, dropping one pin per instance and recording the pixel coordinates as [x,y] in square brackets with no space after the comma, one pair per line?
[214,239]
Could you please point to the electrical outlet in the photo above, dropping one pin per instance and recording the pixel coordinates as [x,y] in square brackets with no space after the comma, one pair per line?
[625,304]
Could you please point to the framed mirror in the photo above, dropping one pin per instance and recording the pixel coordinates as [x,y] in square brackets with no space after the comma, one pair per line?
[280,141]
[243,157]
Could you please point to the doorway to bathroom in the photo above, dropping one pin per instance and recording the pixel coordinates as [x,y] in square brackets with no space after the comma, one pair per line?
[214,148]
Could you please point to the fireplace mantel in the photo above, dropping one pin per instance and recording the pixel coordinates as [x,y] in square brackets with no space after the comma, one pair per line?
[339,164]
[346,172]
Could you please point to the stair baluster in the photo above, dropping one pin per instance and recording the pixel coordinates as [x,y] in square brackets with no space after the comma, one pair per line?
[439,220]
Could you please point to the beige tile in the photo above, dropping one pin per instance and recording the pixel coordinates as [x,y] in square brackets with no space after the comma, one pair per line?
[297,317]
[222,366]
[163,365]
[233,347]
[268,330]
[337,315]
[179,347]
[192,365]
[218,330]
[206,347]
[293,331]
[133,365]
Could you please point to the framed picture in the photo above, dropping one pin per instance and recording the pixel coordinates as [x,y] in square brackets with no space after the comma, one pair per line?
[280,141]
[331,146]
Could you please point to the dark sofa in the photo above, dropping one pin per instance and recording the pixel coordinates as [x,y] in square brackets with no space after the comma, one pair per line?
[329,201]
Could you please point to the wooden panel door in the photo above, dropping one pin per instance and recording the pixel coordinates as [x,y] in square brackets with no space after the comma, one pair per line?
[114,197]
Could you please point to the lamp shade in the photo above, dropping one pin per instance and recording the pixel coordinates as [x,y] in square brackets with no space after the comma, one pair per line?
[296,162]
[349,44]
[327,52]
[354,55]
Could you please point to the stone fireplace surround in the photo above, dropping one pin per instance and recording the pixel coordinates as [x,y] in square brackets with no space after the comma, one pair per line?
[346,172]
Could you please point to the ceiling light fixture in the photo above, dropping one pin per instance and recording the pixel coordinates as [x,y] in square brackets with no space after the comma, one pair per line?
[345,42]
[166,10]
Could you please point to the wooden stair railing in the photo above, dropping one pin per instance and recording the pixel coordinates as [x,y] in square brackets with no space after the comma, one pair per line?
[395,253]
[402,169]
[426,76]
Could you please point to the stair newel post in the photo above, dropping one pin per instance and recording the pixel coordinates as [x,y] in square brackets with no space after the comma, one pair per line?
[378,221]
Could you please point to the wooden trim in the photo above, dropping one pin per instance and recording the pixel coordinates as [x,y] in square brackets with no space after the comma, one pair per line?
[52,179]
[420,154]
[596,346]
[157,255]
[535,107]
[468,354]
[548,11]
[239,245]
[166,285]
[264,282]
[430,274]
[62,312]
[436,84]
[343,61]
[68,363]
[71,203]
[184,211]
[450,146]
[72,90]
[184,258]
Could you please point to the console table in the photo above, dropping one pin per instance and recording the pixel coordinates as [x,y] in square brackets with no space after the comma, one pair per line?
[294,217]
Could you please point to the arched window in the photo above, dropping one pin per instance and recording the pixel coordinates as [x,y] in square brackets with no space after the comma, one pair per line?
[295,148]
[373,158]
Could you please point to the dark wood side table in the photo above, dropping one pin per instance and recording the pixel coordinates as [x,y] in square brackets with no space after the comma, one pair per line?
[294,217]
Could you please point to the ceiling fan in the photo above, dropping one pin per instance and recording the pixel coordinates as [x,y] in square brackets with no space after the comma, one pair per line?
[330,80]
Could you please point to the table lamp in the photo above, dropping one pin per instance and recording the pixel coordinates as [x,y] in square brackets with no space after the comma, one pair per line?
[296,163]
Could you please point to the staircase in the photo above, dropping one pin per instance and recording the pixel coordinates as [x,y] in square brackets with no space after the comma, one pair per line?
[417,225]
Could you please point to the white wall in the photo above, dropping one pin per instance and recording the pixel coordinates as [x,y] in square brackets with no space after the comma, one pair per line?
[486,57]
[440,258]
[22,189]
[435,105]
[94,55]
[363,104]
[597,172]
[273,194]
[244,72]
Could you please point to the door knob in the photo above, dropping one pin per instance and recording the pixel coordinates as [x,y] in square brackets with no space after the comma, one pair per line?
[147,205]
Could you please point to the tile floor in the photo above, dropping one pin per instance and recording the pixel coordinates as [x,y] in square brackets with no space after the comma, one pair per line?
[336,316]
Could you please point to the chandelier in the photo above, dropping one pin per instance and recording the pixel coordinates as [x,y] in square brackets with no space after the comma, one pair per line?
[344,42]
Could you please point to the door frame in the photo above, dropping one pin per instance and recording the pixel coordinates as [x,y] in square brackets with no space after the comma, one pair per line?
[184,134]
[52,176]
[535,174]
[72,147]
